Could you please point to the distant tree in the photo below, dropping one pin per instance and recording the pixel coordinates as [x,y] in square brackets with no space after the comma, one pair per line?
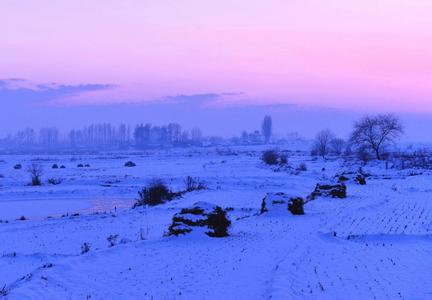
[337,146]
[375,132]
[322,143]
[266,128]
[49,136]
[244,137]
[196,135]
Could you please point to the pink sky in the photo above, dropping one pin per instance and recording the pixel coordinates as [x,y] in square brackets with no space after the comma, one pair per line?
[366,54]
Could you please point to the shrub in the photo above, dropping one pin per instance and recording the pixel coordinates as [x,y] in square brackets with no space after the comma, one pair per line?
[85,248]
[55,181]
[80,166]
[35,171]
[295,206]
[302,167]
[55,166]
[193,184]
[218,222]
[62,167]
[112,240]
[155,193]
[130,164]
[18,167]
[270,157]
[4,291]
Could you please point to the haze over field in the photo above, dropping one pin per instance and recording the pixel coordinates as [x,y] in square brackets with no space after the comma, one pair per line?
[67,63]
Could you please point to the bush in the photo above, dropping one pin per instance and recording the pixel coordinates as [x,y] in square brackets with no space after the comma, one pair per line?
[130,164]
[80,166]
[193,184]
[62,167]
[295,206]
[270,157]
[18,167]
[218,222]
[35,171]
[85,248]
[302,167]
[55,166]
[155,193]
[55,181]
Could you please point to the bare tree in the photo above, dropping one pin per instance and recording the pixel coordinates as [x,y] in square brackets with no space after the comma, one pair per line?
[266,128]
[35,171]
[337,146]
[375,132]
[322,142]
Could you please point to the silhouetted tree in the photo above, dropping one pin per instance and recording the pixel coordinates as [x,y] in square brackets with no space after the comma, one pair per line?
[322,142]
[337,146]
[375,132]
[266,128]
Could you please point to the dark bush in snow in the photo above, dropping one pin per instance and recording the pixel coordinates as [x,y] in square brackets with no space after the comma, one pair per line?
[155,193]
[62,167]
[80,166]
[193,184]
[360,179]
[130,164]
[270,157]
[55,181]
[295,206]
[302,167]
[212,219]
[87,165]
[337,190]
[85,248]
[275,159]
[4,291]
[55,166]
[281,202]
[112,240]
[18,167]
[35,171]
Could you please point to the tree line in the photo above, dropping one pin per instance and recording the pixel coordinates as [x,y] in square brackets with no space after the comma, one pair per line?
[105,136]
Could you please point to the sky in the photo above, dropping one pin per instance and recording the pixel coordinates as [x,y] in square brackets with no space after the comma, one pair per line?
[326,60]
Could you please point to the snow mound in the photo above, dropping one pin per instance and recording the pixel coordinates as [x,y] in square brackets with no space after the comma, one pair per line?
[281,202]
[202,216]
[337,190]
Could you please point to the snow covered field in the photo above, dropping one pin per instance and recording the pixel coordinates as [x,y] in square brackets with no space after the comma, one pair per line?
[375,244]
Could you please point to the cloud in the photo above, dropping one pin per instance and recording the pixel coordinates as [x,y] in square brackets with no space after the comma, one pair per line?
[193,99]
[23,91]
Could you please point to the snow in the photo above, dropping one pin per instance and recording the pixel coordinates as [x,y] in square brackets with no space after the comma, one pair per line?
[375,244]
